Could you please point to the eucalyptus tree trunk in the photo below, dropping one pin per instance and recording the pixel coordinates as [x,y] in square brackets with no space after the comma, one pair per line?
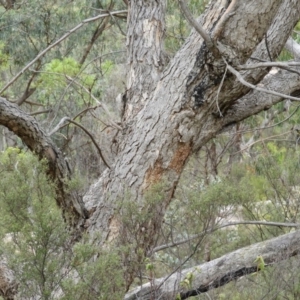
[170,112]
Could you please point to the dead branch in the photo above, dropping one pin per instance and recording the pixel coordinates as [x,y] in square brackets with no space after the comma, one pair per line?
[195,24]
[91,137]
[199,235]
[220,271]
[40,112]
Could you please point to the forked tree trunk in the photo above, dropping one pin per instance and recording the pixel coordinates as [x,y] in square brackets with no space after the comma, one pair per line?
[172,113]
[170,120]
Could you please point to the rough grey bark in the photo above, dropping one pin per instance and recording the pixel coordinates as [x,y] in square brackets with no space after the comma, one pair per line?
[146,58]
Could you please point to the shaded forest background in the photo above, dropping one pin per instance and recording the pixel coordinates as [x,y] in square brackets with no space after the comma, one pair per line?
[250,172]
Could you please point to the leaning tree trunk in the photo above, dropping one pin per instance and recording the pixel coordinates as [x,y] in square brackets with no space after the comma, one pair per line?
[169,120]
[220,271]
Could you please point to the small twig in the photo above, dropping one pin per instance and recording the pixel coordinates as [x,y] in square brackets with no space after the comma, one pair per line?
[114,124]
[84,111]
[118,25]
[62,122]
[28,91]
[92,138]
[218,92]
[269,64]
[281,65]
[163,247]
[261,140]
[269,126]
[267,47]
[99,30]
[195,24]
[40,112]
[67,34]
[34,103]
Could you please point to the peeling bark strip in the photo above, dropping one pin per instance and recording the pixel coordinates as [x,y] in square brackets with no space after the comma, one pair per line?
[180,156]
[220,271]
[26,127]
[146,58]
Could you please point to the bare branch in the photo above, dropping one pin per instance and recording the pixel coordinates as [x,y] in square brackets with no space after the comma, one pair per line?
[91,137]
[261,140]
[257,88]
[195,24]
[62,122]
[60,125]
[101,104]
[253,102]
[28,91]
[99,30]
[196,236]
[268,65]
[34,103]
[40,112]
[71,31]
[227,14]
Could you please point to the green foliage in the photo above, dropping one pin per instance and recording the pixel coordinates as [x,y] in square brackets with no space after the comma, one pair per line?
[31,224]
[187,281]
[37,245]
[34,26]
[4,57]
[99,275]
[59,73]
[107,67]
[260,263]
